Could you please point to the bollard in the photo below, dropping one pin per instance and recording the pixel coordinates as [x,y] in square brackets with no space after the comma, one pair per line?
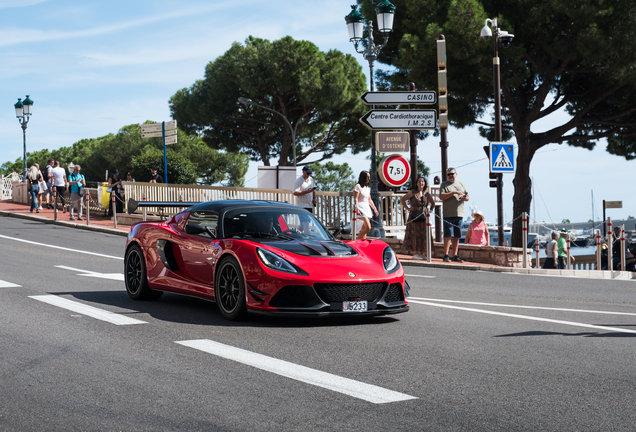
[567,266]
[524,237]
[114,204]
[88,207]
[144,198]
[610,245]
[536,246]
[429,240]
[598,249]
[353,225]
[623,248]
[55,205]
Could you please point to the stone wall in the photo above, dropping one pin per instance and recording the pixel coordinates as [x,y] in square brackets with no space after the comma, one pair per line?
[496,255]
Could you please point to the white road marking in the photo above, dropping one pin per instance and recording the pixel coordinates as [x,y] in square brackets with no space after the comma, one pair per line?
[525,307]
[424,276]
[112,276]
[61,247]
[87,310]
[5,284]
[357,389]
[531,318]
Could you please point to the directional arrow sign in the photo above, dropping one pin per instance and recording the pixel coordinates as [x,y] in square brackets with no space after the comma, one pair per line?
[151,127]
[502,157]
[400,119]
[158,134]
[171,140]
[172,124]
[398,98]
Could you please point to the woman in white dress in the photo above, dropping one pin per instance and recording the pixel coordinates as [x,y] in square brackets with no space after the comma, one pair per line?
[363,203]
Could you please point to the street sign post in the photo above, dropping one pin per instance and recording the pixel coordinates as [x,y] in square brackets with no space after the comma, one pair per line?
[502,158]
[394,170]
[168,132]
[400,119]
[399,98]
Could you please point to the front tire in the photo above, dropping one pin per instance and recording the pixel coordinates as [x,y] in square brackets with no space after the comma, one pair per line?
[229,290]
[136,277]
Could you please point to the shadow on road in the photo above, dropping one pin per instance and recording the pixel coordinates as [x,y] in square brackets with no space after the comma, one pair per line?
[190,310]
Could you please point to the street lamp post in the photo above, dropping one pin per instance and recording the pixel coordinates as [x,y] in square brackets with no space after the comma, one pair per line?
[23,111]
[246,101]
[385,12]
[506,39]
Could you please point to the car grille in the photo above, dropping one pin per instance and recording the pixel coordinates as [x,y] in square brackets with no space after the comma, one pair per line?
[394,293]
[330,293]
[290,296]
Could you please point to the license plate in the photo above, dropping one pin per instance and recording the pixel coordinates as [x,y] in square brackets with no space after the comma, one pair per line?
[354,306]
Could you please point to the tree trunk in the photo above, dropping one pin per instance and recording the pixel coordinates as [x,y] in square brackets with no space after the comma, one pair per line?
[522,197]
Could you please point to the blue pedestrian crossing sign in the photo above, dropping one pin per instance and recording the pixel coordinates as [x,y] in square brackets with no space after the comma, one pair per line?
[502,157]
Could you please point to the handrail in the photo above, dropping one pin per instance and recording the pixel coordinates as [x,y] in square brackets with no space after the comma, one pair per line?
[333,209]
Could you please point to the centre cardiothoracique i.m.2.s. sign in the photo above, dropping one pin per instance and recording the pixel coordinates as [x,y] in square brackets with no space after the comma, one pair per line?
[400,119]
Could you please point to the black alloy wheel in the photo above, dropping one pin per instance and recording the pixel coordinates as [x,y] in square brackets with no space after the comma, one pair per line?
[229,290]
[136,277]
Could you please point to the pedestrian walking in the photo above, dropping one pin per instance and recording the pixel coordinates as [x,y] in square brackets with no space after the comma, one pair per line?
[114,184]
[477,233]
[154,177]
[59,182]
[454,195]
[48,176]
[41,186]
[305,190]
[415,237]
[562,250]
[77,183]
[551,252]
[33,178]
[364,204]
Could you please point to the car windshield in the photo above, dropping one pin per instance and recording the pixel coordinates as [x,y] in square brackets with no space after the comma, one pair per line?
[277,224]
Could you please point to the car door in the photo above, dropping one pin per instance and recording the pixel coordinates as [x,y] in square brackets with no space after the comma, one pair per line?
[199,249]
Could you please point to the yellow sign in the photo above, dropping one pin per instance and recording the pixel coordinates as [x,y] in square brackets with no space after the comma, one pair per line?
[391,142]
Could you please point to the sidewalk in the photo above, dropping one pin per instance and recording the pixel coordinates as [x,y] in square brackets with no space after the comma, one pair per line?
[100,223]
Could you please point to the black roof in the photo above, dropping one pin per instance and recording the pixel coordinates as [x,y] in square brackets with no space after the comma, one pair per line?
[220,206]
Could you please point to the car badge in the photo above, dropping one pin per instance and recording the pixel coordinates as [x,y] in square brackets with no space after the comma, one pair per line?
[352,274]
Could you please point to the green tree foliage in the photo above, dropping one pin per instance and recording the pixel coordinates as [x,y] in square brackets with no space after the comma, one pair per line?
[189,161]
[317,92]
[333,177]
[573,56]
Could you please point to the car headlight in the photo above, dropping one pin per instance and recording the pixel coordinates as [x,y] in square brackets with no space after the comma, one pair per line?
[390,261]
[275,262]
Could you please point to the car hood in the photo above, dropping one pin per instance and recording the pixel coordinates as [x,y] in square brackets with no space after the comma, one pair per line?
[314,248]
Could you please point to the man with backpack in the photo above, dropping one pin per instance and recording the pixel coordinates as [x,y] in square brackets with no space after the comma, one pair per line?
[76,182]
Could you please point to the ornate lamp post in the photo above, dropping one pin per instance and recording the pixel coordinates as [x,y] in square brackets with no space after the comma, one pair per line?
[506,39]
[385,12]
[23,111]
[246,101]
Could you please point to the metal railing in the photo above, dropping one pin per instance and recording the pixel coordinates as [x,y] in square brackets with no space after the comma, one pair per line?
[333,209]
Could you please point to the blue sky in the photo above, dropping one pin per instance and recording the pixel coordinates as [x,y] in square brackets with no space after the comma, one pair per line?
[93,67]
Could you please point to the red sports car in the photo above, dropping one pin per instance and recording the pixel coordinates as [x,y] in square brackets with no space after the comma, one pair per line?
[262,257]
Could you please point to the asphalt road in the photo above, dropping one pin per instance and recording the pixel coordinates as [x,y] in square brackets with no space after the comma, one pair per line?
[477,351]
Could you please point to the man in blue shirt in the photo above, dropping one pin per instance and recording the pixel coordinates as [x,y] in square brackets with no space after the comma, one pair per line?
[76,182]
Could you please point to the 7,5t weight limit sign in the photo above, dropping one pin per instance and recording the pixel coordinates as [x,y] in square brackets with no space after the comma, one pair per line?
[394,170]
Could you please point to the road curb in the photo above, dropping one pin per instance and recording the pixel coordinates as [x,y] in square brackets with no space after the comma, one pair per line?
[64,223]
[590,274]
